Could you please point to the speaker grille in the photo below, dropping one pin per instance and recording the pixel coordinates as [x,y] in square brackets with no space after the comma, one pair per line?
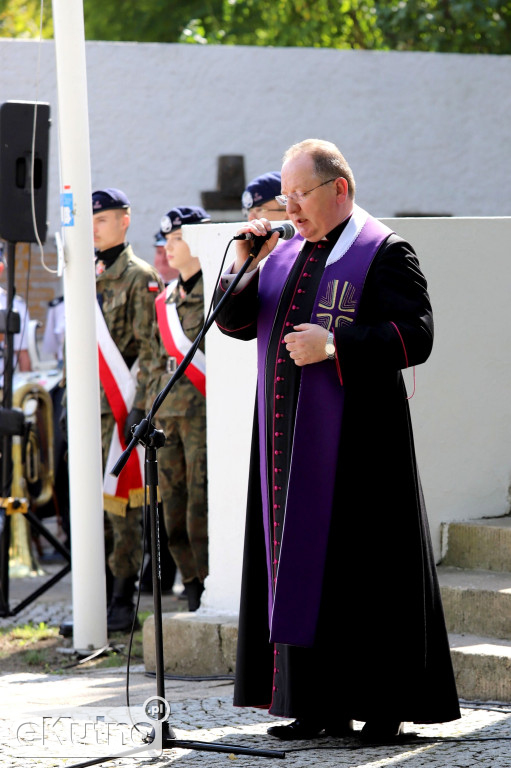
[16,137]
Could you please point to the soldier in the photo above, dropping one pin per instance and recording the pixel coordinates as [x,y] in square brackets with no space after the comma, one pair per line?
[182,416]
[126,287]
[161,263]
[258,199]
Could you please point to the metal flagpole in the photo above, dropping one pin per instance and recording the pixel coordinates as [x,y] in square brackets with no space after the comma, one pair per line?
[82,374]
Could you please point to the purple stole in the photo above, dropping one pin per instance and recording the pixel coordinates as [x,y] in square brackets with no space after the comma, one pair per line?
[294,601]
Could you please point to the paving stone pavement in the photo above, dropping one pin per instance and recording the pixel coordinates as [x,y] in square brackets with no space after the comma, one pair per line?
[202,710]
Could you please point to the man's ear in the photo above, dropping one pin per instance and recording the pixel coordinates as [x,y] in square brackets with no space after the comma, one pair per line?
[342,187]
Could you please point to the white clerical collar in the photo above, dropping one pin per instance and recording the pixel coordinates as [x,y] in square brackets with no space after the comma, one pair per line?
[348,235]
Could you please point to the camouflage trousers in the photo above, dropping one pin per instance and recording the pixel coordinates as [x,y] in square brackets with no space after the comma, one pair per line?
[182,479]
[123,535]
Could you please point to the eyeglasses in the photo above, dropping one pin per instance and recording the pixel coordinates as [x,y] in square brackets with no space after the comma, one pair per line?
[298,197]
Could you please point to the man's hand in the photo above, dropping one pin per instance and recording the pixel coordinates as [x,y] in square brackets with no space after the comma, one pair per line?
[306,344]
[258,227]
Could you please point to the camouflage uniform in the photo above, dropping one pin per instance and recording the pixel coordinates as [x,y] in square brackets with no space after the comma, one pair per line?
[182,461]
[126,296]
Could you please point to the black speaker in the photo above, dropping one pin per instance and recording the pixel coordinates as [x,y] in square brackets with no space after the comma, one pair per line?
[16,184]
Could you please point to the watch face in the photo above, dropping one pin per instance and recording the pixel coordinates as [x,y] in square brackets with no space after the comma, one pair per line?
[330,349]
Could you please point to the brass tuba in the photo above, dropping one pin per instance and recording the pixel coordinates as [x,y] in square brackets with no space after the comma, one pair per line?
[33,461]
[32,470]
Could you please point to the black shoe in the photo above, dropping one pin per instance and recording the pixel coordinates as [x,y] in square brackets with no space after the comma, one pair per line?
[193,590]
[66,628]
[122,615]
[385,731]
[340,729]
[299,729]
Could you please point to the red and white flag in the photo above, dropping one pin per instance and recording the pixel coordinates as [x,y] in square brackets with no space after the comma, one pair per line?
[119,384]
[176,342]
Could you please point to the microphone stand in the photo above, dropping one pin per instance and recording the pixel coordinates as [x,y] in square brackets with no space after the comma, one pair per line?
[152,439]
[10,327]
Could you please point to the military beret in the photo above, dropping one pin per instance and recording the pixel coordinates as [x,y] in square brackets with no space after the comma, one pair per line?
[107,199]
[184,214]
[261,189]
[159,238]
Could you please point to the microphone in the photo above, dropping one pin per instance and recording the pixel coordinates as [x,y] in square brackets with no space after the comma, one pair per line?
[286,232]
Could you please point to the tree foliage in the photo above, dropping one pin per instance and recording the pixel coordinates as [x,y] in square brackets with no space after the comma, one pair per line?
[22,18]
[465,26]
[322,24]
[456,26]
[149,21]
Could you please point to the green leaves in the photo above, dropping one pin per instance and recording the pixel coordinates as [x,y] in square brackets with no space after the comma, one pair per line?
[466,26]
[22,18]
[455,26]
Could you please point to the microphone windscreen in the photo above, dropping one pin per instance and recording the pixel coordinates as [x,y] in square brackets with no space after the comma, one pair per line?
[288,230]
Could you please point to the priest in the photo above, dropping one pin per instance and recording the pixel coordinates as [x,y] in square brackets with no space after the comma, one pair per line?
[340,617]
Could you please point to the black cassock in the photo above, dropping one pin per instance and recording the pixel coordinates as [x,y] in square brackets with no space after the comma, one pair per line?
[381,643]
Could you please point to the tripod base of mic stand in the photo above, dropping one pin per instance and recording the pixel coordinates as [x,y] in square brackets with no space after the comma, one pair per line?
[231,749]
[170,742]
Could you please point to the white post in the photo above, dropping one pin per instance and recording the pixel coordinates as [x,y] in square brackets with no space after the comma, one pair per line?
[85,475]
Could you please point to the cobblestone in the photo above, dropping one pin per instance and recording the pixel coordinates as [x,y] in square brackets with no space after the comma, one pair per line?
[52,614]
[202,711]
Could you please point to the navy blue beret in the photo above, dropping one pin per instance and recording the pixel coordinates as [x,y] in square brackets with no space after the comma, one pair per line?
[184,214]
[106,199]
[159,238]
[261,189]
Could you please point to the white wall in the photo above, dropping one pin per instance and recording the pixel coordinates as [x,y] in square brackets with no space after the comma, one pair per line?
[424,132]
[461,410]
